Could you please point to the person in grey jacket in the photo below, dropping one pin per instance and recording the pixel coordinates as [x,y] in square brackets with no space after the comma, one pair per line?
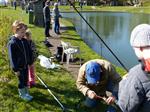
[134,89]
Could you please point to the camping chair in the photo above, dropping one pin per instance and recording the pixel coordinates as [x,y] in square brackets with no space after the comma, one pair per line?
[69,51]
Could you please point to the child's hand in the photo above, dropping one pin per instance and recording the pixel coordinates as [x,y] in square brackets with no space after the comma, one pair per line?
[17,73]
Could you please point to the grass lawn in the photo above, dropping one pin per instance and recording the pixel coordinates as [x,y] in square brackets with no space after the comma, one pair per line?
[60,81]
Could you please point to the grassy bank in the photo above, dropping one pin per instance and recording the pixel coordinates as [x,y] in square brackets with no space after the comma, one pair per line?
[130,9]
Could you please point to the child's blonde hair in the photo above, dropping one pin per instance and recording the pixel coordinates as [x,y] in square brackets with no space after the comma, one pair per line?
[17,24]
[28,34]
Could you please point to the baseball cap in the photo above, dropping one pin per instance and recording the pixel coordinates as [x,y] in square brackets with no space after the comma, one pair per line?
[140,36]
[93,72]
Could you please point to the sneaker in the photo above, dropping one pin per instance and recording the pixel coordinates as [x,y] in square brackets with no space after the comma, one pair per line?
[47,44]
[48,36]
[29,96]
[25,97]
[58,33]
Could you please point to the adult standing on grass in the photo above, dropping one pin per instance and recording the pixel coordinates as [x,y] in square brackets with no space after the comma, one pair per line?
[134,89]
[15,4]
[96,78]
[47,18]
[19,55]
[56,15]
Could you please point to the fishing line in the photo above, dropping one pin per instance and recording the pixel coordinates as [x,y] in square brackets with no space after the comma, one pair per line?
[98,36]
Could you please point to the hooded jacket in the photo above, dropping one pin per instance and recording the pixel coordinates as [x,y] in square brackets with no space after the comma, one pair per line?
[134,91]
[19,53]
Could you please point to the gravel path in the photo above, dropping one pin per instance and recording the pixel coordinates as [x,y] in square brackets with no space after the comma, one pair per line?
[55,41]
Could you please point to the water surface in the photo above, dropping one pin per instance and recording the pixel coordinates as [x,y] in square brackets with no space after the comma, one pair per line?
[114,29]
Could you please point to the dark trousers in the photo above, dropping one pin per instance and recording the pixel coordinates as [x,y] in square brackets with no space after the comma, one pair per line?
[47,28]
[23,78]
[57,26]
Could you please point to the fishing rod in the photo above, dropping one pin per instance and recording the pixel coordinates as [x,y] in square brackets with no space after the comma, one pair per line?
[104,99]
[62,107]
[98,36]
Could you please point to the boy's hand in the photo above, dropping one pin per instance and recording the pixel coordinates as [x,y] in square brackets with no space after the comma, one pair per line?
[17,73]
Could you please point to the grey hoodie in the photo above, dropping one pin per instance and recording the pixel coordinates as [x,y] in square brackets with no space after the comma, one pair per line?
[134,91]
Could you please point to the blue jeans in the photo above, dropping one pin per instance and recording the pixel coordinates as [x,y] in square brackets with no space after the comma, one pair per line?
[57,26]
[23,78]
[92,103]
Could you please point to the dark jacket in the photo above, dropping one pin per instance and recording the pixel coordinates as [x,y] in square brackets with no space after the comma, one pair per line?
[46,13]
[33,50]
[134,91]
[19,53]
[56,14]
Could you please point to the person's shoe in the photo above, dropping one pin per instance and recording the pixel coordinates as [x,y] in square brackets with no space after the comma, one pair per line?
[29,96]
[47,44]
[58,33]
[27,93]
[31,85]
[23,95]
[48,36]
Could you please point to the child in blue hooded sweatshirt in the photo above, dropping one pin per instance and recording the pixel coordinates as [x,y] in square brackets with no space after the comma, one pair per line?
[19,55]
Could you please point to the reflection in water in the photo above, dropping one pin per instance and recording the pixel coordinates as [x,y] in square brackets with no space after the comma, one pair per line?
[114,29]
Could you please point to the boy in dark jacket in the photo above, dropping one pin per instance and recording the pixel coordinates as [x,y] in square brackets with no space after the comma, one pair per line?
[19,55]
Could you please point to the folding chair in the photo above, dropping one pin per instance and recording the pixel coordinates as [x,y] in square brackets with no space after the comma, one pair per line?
[69,51]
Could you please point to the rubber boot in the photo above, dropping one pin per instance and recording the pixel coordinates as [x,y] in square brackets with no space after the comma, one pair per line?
[23,95]
[27,93]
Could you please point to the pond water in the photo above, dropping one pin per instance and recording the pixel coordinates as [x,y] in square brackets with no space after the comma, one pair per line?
[114,29]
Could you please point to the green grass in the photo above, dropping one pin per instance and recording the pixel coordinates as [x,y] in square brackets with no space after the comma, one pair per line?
[60,81]
[130,9]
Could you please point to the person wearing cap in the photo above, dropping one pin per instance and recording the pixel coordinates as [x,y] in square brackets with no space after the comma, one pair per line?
[134,89]
[47,18]
[97,78]
[56,15]
[19,55]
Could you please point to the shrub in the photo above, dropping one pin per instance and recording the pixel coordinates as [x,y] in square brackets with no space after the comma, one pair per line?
[5,31]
